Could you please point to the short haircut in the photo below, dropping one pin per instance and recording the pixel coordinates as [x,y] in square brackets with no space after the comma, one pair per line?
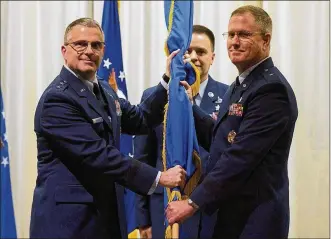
[262,18]
[87,22]
[199,29]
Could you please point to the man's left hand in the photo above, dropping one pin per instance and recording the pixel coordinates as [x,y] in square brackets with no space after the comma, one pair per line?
[179,211]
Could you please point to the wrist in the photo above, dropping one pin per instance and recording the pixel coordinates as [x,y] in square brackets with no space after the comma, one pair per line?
[144,227]
[166,77]
[161,181]
[193,204]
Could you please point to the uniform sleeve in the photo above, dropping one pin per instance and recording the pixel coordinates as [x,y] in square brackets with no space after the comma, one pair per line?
[150,113]
[204,125]
[266,118]
[75,141]
[145,148]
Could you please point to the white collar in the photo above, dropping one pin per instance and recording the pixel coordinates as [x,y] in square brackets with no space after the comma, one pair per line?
[203,86]
[87,83]
[243,75]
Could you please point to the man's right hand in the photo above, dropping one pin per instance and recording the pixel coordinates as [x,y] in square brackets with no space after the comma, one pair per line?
[173,177]
[145,232]
[168,63]
[188,90]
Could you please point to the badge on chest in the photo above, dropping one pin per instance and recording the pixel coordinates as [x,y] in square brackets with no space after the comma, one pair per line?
[118,108]
[236,109]
[217,107]
[232,134]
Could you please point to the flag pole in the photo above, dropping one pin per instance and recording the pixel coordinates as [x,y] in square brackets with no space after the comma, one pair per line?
[175,231]
[179,21]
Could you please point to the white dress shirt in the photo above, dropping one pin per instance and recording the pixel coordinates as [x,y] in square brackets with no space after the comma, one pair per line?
[198,97]
[243,75]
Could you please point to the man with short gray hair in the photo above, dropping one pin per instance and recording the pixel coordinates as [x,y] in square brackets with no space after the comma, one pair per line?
[249,144]
[78,122]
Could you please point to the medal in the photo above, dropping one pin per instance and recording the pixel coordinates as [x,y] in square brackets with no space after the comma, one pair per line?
[232,134]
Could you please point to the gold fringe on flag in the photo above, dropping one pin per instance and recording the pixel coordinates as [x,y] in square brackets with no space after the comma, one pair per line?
[193,181]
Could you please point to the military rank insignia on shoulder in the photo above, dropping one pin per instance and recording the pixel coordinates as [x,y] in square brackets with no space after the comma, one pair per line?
[270,75]
[61,85]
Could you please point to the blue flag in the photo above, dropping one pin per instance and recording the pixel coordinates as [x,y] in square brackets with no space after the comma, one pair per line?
[8,228]
[180,145]
[111,70]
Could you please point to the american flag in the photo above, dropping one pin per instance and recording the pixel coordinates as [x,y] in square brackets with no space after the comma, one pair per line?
[8,228]
[112,70]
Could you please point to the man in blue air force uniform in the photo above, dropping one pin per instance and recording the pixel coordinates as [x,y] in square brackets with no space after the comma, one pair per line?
[249,144]
[78,122]
[149,209]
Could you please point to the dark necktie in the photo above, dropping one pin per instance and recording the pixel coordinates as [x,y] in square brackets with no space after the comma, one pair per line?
[237,81]
[236,85]
[98,95]
[96,91]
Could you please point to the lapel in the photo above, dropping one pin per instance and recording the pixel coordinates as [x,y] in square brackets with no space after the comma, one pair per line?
[225,103]
[110,98]
[83,92]
[236,97]
[209,96]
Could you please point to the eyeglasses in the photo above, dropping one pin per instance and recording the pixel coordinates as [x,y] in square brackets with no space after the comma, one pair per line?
[242,35]
[81,46]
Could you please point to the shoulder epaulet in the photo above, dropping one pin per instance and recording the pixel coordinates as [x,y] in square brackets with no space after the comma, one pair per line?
[270,75]
[61,85]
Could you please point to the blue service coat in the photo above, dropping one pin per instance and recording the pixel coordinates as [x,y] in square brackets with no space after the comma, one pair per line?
[249,144]
[149,209]
[79,162]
